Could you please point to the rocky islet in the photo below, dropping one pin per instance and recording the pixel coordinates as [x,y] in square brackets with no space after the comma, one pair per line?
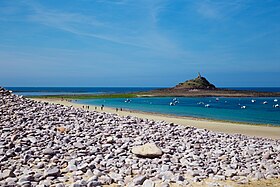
[44,144]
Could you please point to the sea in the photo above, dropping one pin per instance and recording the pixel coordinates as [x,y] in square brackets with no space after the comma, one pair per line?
[248,110]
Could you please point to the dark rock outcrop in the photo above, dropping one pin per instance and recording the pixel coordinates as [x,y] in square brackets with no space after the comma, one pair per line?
[197,83]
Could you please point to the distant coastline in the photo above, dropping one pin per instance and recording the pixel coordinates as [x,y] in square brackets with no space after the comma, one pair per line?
[129,92]
[163,93]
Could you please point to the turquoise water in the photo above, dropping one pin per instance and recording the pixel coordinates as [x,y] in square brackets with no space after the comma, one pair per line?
[224,109]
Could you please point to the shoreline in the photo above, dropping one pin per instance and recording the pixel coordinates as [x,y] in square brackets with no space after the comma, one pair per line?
[256,130]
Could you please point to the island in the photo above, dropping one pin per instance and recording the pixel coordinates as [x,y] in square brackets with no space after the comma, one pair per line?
[197,87]
[201,87]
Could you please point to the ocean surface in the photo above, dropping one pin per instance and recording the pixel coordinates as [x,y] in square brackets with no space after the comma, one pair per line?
[229,109]
[37,91]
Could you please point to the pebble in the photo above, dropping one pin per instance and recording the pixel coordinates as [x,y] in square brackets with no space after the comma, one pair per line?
[148,150]
[149,183]
[139,180]
[49,151]
[52,172]
[6,173]
[44,144]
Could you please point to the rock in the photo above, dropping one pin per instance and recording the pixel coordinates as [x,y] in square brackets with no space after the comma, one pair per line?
[110,139]
[79,145]
[37,176]
[243,180]
[230,172]
[115,176]
[266,155]
[258,176]
[40,165]
[32,139]
[105,180]
[167,175]
[92,178]
[6,173]
[219,177]
[149,183]
[149,150]
[3,158]
[89,173]
[165,168]
[11,181]
[97,173]
[139,180]
[52,172]
[178,178]
[93,184]
[164,184]
[60,185]
[25,180]
[10,153]
[83,167]
[62,129]
[49,151]
[72,165]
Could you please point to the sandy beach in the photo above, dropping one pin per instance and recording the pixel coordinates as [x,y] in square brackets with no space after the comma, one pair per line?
[217,126]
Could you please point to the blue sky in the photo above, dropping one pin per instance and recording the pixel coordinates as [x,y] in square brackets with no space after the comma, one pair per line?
[139,43]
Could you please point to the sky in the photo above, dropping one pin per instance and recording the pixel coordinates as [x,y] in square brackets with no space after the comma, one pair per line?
[153,43]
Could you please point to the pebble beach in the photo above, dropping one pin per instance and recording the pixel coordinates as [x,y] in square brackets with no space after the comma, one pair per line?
[44,144]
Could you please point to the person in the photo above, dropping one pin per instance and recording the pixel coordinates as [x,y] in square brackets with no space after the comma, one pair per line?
[95,108]
[117,109]
[121,109]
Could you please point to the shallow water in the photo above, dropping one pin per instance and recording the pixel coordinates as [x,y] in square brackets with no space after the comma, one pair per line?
[224,109]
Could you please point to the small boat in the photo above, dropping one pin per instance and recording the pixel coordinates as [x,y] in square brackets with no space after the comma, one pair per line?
[276,106]
[253,101]
[265,102]
[171,104]
[207,106]
[127,101]
[200,103]
[175,99]
[275,100]
[243,107]
[217,99]
[175,102]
